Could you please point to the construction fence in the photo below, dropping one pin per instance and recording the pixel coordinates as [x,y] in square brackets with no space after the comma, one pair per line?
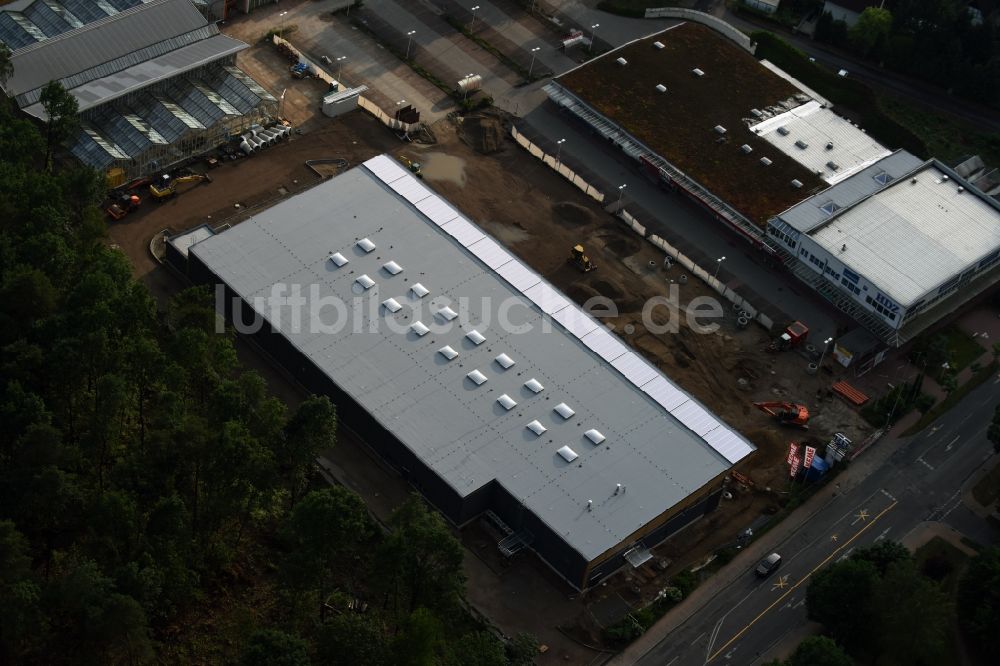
[383,117]
[557,165]
[617,209]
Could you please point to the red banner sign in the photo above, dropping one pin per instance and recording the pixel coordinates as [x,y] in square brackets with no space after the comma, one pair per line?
[810,454]
[796,462]
[793,451]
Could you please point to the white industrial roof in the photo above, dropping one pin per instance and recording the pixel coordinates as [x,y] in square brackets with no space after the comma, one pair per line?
[436,407]
[816,127]
[911,237]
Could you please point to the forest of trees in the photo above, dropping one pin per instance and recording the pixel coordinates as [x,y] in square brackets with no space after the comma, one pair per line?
[156,503]
[934,40]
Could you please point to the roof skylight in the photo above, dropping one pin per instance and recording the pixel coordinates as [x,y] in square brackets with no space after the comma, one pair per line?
[594,436]
[366,282]
[448,352]
[447,313]
[391,304]
[563,410]
[338,259]
[476,337]
[534,385]
[477,377]
[366,245]
[507,402]
[419,328]
[392,268]
[567,454]
[504,361]
[419,290]
[536,427]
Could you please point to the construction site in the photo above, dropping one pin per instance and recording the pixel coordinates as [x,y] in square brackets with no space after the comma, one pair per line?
[541,218]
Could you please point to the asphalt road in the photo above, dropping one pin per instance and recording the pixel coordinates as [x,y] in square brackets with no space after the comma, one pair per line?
[923,481]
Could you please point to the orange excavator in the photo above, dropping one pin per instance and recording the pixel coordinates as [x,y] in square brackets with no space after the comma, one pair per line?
[786,413]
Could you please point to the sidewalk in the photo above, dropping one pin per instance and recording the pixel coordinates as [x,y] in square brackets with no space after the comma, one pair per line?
[859,470]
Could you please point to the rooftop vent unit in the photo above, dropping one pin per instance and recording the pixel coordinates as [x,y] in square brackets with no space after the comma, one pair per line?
[475,337]
[507,402]
[446,313]
[757,113]
[419,328]
[419,290]
[801,145]
[797,184]
[784,131]
[534,385]
[829,145]
[504,361]
[960,189]
[365,282]
[662,88]
[569,455]
[944,177]
[448,352]
[832,166]
[622,61]
[594,436]
[391,304]
[719,129]
[366,245]
[697,72]
[913,181]
[658,45]
[536,427]
[746,148]
[765,161]
[338,259]
[392,268]
[563,410]
[477,377]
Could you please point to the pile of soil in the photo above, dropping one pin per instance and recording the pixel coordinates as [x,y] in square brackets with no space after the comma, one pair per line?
[484,134]
[572,214]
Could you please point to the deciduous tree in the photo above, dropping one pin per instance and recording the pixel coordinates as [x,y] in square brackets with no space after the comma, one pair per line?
[61,108]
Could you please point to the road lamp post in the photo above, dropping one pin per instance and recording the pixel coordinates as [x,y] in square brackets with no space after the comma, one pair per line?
[473,24]
[559,144]
[340,69]
[621,193]
[281,30]
[409,39]
[593,34]
[532,66]
[718,265]
[826,346]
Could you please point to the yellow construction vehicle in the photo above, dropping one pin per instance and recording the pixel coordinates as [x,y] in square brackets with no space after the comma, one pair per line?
[581,260]
[412,166]
[167,186]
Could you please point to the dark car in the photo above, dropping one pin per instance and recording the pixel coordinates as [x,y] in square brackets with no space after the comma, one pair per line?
[768,565]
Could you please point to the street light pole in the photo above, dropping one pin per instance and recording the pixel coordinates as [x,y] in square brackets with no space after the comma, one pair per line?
[409,38]
[281,31]
[473,24]
[718,265]
[559,144]
[340,70]
[826,346]
[532,66]
[621,193]
[593,34]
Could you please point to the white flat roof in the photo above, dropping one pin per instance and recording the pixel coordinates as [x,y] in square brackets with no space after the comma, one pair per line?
[817,127]
[911,237]
[659,441]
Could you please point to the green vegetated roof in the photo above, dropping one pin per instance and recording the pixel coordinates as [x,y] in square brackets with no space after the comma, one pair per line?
[679,124]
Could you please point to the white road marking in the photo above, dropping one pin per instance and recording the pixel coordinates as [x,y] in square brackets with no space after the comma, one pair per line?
[925,463]
[698,639]
[712,639]
[845,554]
[887,494]
[884,532]
[952,443]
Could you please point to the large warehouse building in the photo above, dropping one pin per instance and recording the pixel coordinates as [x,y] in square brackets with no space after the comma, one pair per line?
[898,244]
[155,81]
[488,389]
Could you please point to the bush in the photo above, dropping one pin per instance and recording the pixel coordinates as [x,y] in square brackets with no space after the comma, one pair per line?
[686,581]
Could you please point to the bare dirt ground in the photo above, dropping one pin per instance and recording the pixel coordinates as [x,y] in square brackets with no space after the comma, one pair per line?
[540,217]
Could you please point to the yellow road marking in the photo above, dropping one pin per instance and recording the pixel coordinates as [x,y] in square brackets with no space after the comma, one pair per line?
[782,583]
[833,537]
[804,579]
[863,514]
